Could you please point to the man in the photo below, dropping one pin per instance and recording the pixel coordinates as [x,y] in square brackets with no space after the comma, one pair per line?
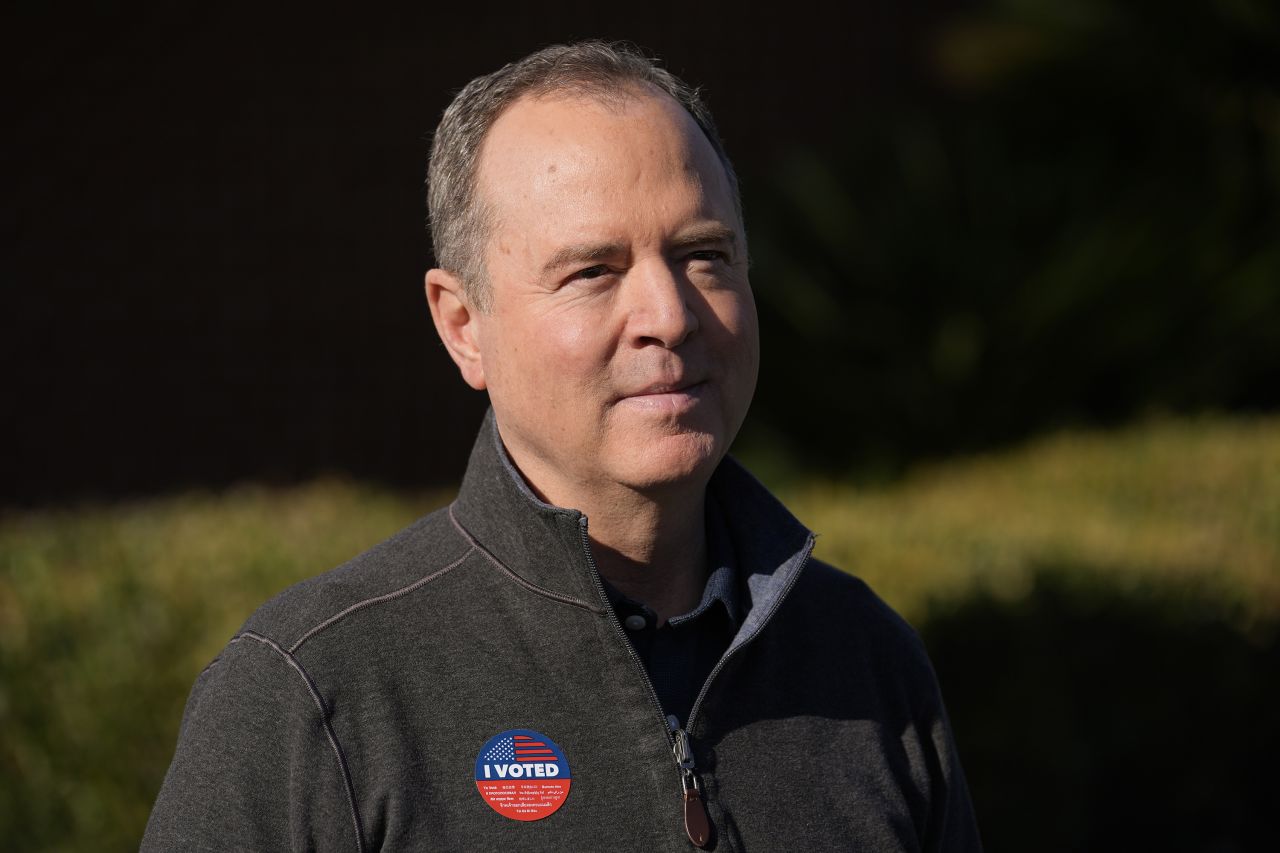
[615,638]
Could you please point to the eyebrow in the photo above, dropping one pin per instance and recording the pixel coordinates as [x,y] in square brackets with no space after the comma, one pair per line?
[581,253]
[586,253]
[711,232]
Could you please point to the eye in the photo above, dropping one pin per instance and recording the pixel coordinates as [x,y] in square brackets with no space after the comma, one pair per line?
[592,272]
[708,255]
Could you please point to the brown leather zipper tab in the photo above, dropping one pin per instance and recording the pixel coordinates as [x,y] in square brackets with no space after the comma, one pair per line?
[697,825]
[696,822]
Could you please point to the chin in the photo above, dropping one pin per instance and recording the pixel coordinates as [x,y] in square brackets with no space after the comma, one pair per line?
[673,460]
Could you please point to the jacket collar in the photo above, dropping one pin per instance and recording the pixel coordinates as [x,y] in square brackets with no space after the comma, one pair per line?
[546,547]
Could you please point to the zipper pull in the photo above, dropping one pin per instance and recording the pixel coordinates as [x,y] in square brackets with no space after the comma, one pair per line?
[697,825]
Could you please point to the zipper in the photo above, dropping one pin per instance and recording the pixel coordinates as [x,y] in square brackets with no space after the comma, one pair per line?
[697,823]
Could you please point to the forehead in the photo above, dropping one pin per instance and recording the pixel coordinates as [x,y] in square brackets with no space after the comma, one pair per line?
[569,156]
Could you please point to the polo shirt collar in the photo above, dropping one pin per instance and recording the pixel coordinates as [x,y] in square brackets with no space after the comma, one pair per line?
[723,583]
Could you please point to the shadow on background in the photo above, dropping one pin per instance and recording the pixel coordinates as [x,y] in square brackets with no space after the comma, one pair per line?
[971,223]
[1097,715]
[1074,223]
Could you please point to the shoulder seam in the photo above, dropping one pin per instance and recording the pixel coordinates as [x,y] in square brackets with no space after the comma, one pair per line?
[324,721]
[378,599]
[532,587]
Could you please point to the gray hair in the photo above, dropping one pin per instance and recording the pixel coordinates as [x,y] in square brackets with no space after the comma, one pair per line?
[607,71]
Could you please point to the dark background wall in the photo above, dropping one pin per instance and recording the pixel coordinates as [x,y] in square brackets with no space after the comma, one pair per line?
[218,226]
[969,222]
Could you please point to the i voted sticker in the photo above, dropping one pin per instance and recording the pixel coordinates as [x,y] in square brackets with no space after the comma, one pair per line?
[522,774]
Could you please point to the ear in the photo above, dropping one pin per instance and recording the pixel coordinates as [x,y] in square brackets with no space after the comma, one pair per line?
[457,323]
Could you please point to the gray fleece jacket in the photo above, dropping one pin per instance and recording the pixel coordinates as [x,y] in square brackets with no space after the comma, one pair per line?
[383,705]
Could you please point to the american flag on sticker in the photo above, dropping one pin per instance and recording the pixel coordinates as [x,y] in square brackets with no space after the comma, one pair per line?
[520,748]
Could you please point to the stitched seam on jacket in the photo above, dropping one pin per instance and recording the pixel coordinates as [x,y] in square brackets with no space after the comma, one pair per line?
[324,721]
[532,587]
[378,599]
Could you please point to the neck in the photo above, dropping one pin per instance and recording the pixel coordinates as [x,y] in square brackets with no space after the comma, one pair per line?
[653,550]
[650,545]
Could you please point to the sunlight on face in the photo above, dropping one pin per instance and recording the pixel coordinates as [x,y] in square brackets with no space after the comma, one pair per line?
[621,346]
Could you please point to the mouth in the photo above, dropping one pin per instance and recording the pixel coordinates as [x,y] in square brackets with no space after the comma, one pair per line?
[665,388]
[667,397]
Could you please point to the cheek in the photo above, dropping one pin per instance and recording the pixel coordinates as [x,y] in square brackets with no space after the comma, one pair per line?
[554,357]
[739,347]
[568,337]
[736,326]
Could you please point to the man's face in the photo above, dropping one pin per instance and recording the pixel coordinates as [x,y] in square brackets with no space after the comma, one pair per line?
[620,347]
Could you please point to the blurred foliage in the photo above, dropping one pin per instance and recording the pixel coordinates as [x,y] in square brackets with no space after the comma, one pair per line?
[108,613]
[1103,611]
[1166,534]
[1073,221]
[1091,715]
[1196,501]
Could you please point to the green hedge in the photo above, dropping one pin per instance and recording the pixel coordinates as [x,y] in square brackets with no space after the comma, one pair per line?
[1101,608]
[1092,715]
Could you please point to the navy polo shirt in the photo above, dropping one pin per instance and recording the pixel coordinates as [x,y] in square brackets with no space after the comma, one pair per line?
[681,654]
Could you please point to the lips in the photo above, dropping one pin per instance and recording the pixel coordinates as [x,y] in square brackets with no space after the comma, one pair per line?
[665,388]
[666,398]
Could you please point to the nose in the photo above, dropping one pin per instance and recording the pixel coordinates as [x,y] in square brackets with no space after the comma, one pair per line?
[659,310]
